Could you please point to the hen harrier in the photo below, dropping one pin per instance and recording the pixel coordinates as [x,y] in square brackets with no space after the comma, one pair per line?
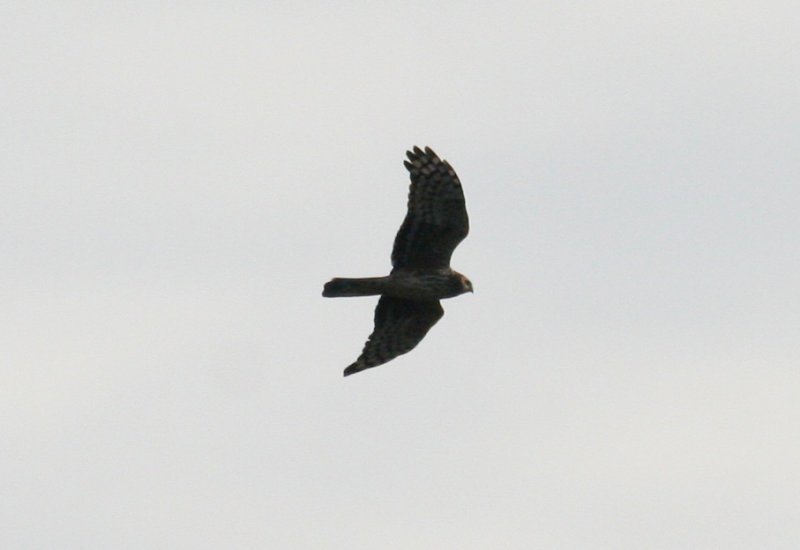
[409,305]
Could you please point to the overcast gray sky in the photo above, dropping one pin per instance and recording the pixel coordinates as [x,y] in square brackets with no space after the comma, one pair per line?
[179,181]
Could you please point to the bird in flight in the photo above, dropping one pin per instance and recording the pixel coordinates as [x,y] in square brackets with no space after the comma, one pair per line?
[421,275]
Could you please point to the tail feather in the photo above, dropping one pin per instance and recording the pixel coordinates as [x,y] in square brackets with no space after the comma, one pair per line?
[368,286]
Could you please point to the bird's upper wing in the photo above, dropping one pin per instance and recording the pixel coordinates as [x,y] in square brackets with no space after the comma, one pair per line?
[437,216]
[399,326]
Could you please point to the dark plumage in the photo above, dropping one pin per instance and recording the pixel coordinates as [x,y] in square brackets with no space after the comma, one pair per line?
[421,275]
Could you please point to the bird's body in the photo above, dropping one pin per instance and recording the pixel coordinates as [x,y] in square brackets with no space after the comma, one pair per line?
[412,284]
[421,276]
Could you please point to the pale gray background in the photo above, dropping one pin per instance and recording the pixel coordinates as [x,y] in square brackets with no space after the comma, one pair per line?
[178,182]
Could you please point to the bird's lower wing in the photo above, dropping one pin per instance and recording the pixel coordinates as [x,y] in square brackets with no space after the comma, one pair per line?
[399,326]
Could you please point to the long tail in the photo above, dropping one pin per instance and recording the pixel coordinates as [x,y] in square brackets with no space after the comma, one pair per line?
[368,286]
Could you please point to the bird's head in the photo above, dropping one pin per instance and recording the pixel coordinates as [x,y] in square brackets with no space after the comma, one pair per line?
[466,284]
